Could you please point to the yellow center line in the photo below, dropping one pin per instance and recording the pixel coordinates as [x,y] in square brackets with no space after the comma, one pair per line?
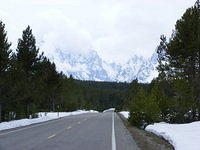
[51,136]
[69,127]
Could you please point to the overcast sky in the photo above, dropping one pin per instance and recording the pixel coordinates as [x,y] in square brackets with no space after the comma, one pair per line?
[116,29]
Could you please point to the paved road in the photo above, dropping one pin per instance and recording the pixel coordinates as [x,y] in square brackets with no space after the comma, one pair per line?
[103,131]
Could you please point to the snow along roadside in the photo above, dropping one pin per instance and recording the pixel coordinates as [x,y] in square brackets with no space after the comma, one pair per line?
[126,114]
[181,136]
[43,116]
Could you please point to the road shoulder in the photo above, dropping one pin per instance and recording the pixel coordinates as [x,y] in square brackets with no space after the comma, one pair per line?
[146,140]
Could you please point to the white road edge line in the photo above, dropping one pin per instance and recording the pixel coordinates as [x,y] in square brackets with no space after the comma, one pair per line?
[113,132]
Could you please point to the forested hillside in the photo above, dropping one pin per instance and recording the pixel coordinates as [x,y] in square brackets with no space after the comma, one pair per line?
[103,95]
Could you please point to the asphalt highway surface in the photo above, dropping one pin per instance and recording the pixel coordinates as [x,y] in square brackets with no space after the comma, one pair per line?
[92,131]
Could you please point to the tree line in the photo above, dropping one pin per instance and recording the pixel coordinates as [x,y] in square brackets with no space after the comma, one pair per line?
[28,80]
[104,95]
[174,96]
[29,83]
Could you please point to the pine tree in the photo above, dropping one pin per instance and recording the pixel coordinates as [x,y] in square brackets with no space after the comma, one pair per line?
[4,64]
[184,47]
[4,49]
[162,58]
[27,59]
[179,59]
[50,82]
[27,52]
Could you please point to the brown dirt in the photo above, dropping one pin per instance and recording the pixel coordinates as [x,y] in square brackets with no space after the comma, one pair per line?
[146,140]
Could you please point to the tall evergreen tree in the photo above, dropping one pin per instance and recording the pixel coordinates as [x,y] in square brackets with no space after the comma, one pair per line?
[4,64]
[184,45]
[179,58]
[27,52]
[27,58]
[4,49]
[49,80]
[162,58]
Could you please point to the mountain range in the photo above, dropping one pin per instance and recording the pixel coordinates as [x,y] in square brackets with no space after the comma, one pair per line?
[90,66]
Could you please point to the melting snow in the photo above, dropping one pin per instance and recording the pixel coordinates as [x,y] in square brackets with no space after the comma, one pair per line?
[181,136]
[125,114]
[43,116]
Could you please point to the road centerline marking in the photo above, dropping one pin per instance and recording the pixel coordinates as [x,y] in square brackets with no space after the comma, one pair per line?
[69,127]
[52,136]
[113,133]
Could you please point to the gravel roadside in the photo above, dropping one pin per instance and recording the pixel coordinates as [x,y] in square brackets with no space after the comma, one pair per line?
[146,140]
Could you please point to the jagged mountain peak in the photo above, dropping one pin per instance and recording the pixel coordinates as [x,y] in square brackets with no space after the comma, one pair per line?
[90,66]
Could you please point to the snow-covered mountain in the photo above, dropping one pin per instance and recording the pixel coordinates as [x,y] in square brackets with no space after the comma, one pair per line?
[90,66]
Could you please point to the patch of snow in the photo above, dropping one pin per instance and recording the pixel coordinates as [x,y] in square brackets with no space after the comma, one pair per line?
[43,116]
[126,114]
[181,136]
[108,110]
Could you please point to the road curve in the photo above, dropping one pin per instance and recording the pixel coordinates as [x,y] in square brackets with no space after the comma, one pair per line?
[102,131]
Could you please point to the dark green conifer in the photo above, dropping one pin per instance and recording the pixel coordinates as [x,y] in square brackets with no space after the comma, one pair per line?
[4,65]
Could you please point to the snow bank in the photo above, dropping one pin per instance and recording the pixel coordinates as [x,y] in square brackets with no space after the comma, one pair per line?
[43,116]
[125,114]
[107,110]
[181,136]
[64,114]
